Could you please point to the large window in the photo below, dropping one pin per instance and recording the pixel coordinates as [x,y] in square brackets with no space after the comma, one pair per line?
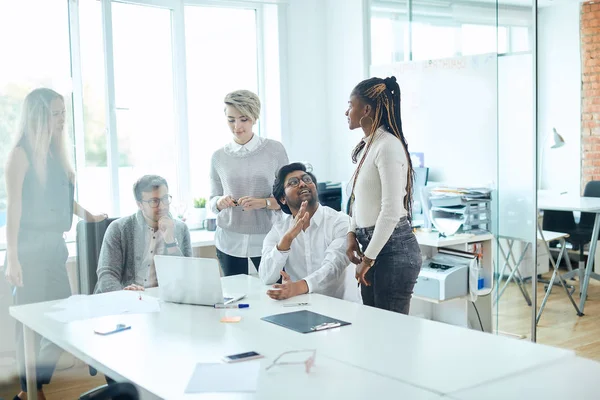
[229,33]
[389,39]
[92,169]
[434,41]
[129,87]
[458,28]
[143,97]
[35,53]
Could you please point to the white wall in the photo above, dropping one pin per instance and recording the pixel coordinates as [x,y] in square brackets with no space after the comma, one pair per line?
[324,60]
[305,120]
[345,69]
[559,95]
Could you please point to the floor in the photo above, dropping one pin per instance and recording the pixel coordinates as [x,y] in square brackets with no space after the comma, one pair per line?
[66,384]
[559,326]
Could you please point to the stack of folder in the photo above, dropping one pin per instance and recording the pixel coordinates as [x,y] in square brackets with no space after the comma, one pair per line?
[469,207]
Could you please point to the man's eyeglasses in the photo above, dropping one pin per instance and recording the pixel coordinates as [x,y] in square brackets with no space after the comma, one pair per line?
[155,201]
[293,182]
[308,363]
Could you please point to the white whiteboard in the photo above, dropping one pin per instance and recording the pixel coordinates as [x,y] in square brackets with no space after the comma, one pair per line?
[449,112]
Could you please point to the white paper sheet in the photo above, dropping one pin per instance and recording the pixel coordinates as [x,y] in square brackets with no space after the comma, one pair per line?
[239,377]
[84,307]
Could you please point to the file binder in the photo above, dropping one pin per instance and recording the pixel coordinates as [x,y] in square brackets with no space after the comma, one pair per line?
[305,321]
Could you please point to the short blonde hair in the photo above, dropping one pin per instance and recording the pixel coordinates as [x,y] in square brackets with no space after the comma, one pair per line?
[246,102]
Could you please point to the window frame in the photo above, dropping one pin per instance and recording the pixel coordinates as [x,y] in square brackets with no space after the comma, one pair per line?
[176,8]
[406,12]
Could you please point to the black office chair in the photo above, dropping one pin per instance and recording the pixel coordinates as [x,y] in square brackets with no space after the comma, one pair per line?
[89,243]
[563,221]
[559,221]
[120,391]
[583,233]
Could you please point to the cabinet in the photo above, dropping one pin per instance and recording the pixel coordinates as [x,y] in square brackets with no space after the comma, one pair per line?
[458,311]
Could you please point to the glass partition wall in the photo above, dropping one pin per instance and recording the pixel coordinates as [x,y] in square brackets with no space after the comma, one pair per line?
[467,71]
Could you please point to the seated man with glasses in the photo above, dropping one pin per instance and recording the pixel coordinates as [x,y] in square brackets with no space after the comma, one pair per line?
[130,243]
[307,247]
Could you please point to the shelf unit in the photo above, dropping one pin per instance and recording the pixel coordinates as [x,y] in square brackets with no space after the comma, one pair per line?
[458,311]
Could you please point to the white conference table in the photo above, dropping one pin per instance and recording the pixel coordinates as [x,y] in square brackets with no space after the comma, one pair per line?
[557,381]
[381,353]
[583,204]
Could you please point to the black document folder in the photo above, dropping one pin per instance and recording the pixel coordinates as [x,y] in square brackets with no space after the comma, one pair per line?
[305,321]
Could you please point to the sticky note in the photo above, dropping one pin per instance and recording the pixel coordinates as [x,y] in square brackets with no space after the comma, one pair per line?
[231,319]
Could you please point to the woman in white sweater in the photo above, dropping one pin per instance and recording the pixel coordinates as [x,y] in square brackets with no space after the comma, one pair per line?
[380,238]
[242,175]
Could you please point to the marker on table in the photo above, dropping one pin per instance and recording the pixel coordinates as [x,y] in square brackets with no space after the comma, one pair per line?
[295,304]
[220,305]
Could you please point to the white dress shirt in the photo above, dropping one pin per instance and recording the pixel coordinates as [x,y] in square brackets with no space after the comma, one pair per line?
[233,243]
[317,255]
[380,190]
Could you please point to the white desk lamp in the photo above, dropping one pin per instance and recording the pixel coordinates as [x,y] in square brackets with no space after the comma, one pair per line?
[559,141]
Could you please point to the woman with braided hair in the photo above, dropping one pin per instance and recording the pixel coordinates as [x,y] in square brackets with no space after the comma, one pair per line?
[380,238]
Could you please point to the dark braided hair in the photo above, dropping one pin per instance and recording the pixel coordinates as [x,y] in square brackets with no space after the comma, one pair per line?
[383,95]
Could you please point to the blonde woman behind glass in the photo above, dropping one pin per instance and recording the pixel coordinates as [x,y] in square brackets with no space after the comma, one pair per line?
[40,189]
[242,175]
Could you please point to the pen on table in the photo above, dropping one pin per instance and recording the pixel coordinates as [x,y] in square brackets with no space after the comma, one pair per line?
[326,325]
[218,305]
[295,304]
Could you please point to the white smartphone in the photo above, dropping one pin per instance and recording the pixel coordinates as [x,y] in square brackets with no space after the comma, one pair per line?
[251,355]
[107,330]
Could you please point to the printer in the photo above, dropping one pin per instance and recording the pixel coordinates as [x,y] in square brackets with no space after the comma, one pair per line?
[330,195]
[443,277]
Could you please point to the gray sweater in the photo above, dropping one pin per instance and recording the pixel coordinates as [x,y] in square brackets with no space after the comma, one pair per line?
[123,249]
[246,174]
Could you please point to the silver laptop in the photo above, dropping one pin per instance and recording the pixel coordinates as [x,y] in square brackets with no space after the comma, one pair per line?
[190,280]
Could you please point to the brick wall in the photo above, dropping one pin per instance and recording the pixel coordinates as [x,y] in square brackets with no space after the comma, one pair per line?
[590,102]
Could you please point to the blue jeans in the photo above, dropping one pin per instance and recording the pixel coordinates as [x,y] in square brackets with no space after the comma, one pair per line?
[396,268]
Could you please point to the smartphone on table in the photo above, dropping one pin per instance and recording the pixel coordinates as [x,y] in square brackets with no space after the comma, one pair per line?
[109,329]
[251,355]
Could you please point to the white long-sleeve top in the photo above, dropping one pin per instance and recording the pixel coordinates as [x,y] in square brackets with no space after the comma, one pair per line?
[317,255]
[380,190]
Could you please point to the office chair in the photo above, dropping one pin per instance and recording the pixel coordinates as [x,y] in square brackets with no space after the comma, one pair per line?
[563,221]
[559,221]
[583,233]
[89,243]
[120,391]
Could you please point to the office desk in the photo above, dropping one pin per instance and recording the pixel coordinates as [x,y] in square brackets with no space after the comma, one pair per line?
[410,357]
[583,204]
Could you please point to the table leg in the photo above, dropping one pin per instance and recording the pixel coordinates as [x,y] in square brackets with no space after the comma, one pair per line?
[514,271]
[555,274]
[519,279]
[590,263]
[30,370]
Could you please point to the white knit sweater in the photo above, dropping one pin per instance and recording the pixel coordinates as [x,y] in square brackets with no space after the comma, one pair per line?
[380,189]
[246,174]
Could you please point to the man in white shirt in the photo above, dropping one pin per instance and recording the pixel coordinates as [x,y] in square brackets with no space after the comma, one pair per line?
[307,247]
